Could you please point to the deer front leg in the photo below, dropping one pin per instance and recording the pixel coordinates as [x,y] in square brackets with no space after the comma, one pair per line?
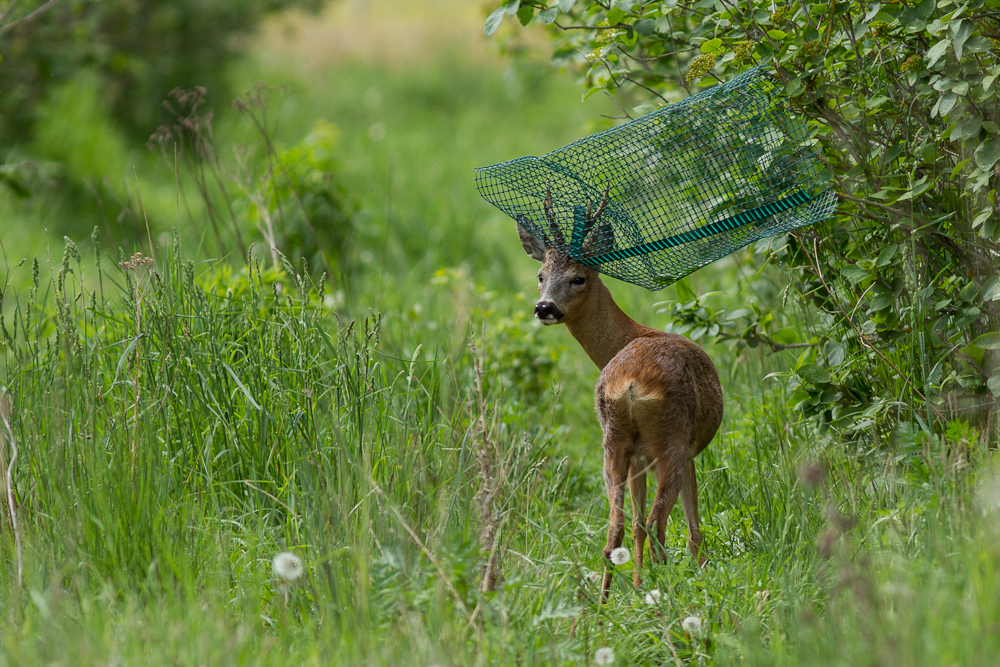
[616,465]
[689,501]
[637,489]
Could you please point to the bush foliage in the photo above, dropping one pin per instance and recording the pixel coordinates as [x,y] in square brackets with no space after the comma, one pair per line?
[902,100]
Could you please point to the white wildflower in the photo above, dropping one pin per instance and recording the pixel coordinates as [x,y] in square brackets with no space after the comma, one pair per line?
[287,566]
[653,597]
[692,625]
[620,556]
[604,655]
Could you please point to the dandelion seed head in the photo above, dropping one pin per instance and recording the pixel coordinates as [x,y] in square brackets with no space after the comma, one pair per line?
[653,597]
[620,556]
[692,625]
[604,655]
[287,566]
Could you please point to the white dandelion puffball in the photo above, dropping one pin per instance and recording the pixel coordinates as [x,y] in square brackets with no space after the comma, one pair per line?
[653,597]
[287,566]
[692,625]
[620,556]
[604,655]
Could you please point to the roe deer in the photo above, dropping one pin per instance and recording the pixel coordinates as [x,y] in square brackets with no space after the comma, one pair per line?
[658,398]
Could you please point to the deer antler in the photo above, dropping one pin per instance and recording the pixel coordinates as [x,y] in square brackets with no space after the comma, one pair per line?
[591,219]
[550,214]
[593,246]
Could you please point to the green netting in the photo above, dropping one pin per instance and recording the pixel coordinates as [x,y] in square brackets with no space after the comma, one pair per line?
[661,196]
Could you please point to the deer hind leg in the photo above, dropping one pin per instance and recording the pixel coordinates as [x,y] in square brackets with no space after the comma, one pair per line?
[689,501]
[637,489]
[669,480]
[617,457]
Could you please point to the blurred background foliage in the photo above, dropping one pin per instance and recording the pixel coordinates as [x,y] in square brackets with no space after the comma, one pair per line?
[133,52]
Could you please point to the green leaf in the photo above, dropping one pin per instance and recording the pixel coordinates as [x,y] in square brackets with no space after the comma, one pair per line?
[645,27]
[991,291]
[876,102]
[814,374]
[886,255]
[881,301]
[983,216]
[711,46]
[493,21]
[512,7]
[943,84]
[967,127]
[794,87]
[935,52]
[786,336]
[917,189]
[566,5]
[978,44]
[934,377]
[987,153]
[926,8]
[988,341]
[994,384]
[908,16]
[946,103]
[960,31]
[624,5]
[525,14]
[830,396]
[777,35]
[854,273]
[615,16]
[894,152]
[548,16]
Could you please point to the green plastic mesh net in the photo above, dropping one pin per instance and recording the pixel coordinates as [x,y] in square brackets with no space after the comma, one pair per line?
[654,199]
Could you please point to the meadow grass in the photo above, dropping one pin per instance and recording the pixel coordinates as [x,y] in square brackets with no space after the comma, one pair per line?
[180,422]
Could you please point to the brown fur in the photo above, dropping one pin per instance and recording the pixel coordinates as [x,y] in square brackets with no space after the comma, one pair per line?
[658,400]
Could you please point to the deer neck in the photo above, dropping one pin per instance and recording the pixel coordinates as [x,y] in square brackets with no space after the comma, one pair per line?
[602,328]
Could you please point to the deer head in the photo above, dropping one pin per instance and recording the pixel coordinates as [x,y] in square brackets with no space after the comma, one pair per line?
[564,285]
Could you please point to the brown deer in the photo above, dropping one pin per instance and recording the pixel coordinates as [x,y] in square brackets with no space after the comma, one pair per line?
[658,398]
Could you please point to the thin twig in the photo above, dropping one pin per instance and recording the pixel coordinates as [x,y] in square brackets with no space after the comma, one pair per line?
[29,18]
[6,13]
[613,99]
[630,79]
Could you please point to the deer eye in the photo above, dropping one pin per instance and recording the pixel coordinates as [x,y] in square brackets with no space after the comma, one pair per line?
[579,280]
[539,277]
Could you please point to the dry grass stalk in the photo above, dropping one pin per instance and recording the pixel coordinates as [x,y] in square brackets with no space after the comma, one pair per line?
[9,481]
[491,472]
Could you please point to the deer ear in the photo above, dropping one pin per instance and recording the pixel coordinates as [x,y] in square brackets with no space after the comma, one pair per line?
[534,246]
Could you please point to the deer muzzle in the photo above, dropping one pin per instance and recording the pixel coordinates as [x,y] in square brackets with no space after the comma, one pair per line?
[547,312]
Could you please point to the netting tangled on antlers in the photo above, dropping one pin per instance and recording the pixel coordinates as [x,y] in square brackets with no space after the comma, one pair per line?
[654,199]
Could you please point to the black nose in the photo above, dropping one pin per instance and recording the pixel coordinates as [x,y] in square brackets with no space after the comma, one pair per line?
[545,310]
